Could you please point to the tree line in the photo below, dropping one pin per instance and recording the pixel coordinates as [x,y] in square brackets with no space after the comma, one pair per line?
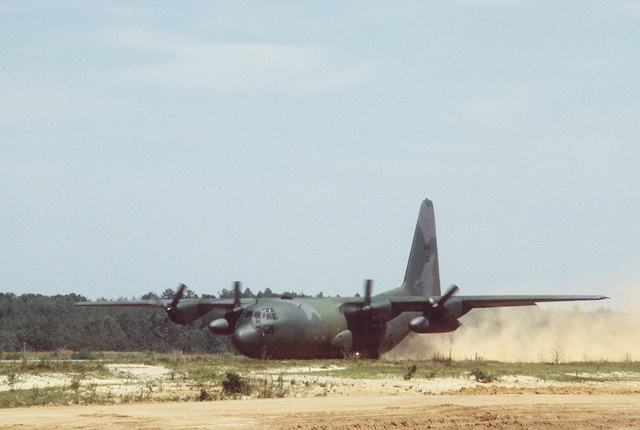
[37,322]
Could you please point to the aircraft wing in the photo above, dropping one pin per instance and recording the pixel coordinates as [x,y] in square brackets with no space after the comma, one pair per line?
[504,301]
[209,304]
[181,311]
[185,311]
[128,303]
[417,303]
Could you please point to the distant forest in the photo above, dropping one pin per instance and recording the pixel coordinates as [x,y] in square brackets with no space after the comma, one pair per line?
[36,322]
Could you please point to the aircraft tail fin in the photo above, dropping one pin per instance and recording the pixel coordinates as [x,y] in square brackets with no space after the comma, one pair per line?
[422,277]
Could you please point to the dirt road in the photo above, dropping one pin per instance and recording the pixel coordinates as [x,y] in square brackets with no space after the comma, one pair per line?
[502,411]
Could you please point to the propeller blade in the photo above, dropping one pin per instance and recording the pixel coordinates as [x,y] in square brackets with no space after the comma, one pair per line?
[454,289]
[360,306]
[161,333]
[367,292]
[236,294]
[178,296]
[172,308]
[433,308]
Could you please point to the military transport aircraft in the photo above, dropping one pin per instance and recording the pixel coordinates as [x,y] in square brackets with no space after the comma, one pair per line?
[290,328]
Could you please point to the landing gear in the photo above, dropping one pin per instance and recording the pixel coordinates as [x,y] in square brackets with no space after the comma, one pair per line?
[371,353]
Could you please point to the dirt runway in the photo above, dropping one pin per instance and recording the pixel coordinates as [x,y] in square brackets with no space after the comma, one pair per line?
[502,411]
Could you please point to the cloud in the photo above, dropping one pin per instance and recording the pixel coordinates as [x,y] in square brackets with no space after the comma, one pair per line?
[234,67]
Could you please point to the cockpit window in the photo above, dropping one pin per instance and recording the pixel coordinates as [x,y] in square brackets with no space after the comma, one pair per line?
[248,313]
[263,315]
[269,314]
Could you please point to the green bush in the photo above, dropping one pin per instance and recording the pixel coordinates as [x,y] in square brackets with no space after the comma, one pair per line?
[484,377]
[234,384]
[83,354]
[410,371]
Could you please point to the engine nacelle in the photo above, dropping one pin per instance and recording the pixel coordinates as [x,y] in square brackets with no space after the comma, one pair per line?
[454,309]
[343,341]
[422,324]
[221,326]
[186,312]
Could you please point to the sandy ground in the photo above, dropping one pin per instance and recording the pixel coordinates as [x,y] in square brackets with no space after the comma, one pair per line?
[503,411]
[320,402]
[156,383]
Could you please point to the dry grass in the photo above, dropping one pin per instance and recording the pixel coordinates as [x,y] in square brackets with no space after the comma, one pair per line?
[106,378]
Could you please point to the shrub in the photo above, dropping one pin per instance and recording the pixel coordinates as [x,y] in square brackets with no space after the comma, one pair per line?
[484,377]
[410,371]
[83,354]
[234,384]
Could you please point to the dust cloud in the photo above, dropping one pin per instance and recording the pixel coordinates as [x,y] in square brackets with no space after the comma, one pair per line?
[532,334]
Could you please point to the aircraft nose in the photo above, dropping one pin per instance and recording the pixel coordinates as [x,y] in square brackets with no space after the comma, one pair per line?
[247,340]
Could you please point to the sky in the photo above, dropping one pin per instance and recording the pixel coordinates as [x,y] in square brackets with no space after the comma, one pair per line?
[288,145]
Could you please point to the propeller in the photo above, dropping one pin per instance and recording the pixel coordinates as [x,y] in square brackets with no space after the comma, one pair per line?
[234,313]
[188,314]
[172,310]
[226,325]
[432,307]
[372,316]
[176,298]
[432,320]
[360,306]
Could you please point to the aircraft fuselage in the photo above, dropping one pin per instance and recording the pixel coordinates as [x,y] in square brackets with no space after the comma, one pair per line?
[313,328]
